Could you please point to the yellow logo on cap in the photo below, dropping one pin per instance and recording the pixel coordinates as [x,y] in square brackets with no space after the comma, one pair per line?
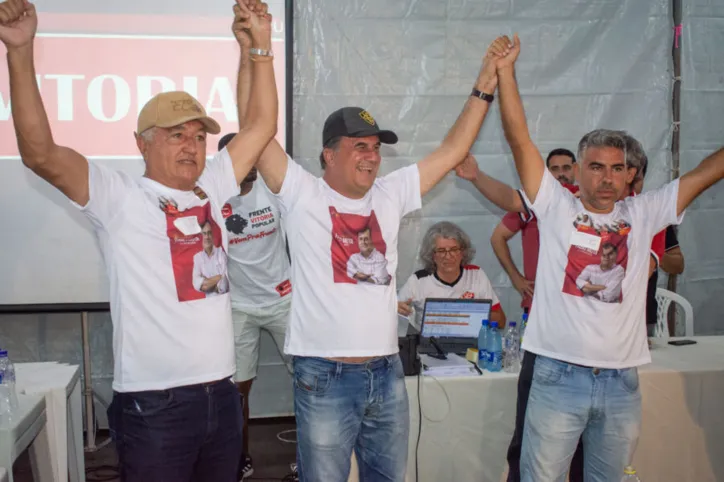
[367,117]
[185,105]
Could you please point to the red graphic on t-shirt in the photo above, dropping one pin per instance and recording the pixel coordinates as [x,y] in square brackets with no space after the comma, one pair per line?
[597,273]
[284,288]
[198,259]
[468,295]
[226,210]
[358,249]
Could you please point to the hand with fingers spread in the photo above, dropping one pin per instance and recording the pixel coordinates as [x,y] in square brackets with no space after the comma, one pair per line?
[18,23]
[468,169]
[253,17]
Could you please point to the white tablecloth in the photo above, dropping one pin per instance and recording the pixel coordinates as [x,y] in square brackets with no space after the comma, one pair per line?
[468,422]
[59,383]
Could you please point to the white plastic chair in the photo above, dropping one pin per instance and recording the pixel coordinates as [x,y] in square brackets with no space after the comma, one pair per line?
[664,298]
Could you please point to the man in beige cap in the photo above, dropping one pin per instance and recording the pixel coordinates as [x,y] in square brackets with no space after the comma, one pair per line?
[175,414]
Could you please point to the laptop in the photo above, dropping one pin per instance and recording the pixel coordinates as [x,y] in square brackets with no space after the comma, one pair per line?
[454,323]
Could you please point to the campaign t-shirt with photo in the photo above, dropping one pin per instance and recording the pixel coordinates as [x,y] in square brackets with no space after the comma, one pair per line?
[344,254]
[258,261]
[164,253]
[590,290]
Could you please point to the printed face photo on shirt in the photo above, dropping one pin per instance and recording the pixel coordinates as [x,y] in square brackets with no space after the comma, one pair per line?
[597,259]
[197,257]
[358,249]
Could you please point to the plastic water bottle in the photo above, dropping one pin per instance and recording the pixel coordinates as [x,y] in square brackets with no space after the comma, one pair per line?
[495,349]
[511,349]
[523,326]
[8,396]
[629,475]
[483,345]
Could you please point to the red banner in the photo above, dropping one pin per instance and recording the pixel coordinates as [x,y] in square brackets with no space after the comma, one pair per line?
[94,85]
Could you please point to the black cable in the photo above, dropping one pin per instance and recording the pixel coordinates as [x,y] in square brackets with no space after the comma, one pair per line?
[419,425]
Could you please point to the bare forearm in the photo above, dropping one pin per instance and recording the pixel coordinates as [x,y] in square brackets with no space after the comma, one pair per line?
[706,174]
[243,85]
[263,103]
[527,159]
[35,140]
[502,252]
[499,193]
[456,144]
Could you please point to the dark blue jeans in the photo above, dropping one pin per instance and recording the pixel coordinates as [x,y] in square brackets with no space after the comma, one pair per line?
[183,434]
[341,407]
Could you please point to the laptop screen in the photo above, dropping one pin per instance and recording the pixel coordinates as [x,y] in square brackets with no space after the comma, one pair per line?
[454,318]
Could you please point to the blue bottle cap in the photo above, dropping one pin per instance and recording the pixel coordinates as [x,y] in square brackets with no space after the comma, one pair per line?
[511,323]
[485,322]
[494,324]
[3,353]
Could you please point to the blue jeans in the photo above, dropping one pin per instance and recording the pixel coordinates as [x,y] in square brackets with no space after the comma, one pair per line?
[182,434]
[569,401]
[342,407]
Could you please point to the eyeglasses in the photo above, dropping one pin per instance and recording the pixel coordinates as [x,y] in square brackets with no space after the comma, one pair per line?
[450,251]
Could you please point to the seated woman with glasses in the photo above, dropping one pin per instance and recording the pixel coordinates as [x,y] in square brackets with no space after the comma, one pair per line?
[446,253]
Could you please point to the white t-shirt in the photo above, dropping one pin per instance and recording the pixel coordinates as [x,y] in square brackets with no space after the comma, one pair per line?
[334,315]
[597,328]
[166,333]
[258,261]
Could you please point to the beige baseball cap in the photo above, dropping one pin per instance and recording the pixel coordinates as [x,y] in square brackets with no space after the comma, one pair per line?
[170,109]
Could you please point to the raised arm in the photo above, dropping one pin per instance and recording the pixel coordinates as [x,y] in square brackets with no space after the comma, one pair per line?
[702,177]
[62,167]
[499,193]
[272,164]
[528,161]
[257,100]
[463,133]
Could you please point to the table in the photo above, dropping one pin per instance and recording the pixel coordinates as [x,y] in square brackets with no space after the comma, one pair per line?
[27,429]
[59,384]
[468,422]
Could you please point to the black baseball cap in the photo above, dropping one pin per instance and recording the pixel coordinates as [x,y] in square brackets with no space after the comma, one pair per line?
[226,139]
[354,122]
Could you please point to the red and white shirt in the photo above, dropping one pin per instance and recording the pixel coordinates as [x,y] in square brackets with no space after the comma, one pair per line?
[471,284]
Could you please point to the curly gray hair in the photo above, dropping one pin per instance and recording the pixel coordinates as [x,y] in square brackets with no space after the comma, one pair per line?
[447,230]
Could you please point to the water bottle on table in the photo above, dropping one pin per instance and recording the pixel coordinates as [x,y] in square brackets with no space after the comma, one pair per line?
[8,396]
[495,349]
[629,475]
[511,349]
[483,345]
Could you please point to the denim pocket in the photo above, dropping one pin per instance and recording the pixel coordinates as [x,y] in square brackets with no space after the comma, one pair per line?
[547,372]
[147,403]
[312,381]
[630,379]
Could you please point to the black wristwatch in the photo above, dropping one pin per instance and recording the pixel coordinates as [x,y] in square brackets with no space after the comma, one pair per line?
[482,95]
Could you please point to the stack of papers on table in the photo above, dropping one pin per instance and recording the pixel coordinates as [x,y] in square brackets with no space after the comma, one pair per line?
[454,366]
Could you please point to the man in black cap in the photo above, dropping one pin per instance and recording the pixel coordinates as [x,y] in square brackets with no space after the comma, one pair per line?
[349,391]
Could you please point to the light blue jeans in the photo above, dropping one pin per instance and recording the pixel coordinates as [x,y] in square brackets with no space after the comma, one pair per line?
[342,407]
[568,402]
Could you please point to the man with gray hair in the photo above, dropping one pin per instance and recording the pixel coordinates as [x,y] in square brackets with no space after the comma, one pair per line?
[585,382]
[175,413]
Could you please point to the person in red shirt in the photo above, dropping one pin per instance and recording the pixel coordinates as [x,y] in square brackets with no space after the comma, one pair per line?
[562,164]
